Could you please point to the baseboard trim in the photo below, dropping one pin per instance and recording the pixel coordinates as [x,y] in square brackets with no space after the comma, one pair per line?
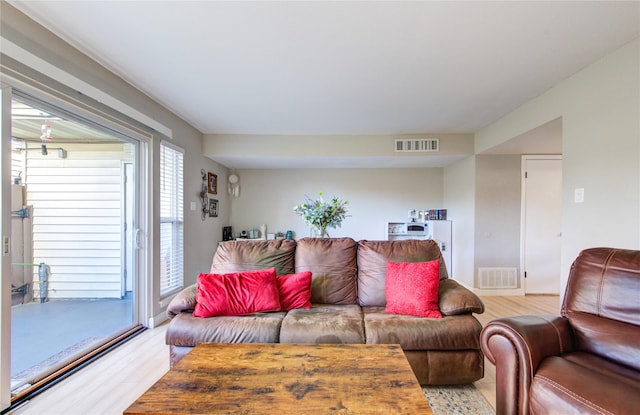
[157,320]
[504,292]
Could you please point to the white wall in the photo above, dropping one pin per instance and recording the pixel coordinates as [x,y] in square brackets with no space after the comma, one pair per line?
[375,196]
[600,108]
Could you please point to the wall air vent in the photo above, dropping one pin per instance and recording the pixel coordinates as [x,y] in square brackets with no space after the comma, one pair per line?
[429,144]
[493,278]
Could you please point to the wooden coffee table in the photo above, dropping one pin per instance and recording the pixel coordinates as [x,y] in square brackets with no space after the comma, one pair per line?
[287,379]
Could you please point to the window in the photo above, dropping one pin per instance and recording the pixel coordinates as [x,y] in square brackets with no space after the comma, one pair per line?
[171,219]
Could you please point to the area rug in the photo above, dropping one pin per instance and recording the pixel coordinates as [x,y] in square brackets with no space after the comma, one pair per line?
[457,400]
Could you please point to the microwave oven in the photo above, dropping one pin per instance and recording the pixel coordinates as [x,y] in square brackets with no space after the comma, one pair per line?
[409,228]
[417,229]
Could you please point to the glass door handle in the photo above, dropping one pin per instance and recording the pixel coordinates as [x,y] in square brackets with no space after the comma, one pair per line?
[137,240]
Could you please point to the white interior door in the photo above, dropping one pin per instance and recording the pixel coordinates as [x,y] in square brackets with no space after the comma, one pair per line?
[542,223]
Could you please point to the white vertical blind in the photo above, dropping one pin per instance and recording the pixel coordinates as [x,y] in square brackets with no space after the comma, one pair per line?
[171,219]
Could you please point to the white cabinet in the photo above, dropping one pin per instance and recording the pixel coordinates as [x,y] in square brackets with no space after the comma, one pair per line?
[438,230]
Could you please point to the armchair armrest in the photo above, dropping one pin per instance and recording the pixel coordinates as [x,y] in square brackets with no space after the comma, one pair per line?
[184,301]
[454,299]
[516,346]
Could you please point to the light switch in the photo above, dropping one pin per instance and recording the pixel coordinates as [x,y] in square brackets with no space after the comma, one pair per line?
[194,206]
[578,195]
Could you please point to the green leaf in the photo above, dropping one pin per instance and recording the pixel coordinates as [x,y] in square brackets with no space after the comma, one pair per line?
[321,214]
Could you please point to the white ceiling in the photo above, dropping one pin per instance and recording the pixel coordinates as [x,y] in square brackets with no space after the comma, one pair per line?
[332,67]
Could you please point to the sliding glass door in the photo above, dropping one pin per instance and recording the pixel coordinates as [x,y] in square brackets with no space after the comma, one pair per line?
[73,195]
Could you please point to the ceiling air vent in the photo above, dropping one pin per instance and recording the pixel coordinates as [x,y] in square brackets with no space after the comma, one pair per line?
[429,144]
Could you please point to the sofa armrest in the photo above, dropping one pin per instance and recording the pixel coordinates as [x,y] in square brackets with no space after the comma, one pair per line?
[184,301]
[454,299]
[516,346]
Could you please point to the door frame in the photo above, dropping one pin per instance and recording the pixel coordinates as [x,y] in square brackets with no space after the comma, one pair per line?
[5,256]
[523,213]
[128,247]
[141,206]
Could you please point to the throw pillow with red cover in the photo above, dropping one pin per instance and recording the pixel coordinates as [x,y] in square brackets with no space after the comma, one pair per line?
[411,288]
[237,293]
[295,290]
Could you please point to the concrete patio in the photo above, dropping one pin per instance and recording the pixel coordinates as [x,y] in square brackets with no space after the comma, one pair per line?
[45,334]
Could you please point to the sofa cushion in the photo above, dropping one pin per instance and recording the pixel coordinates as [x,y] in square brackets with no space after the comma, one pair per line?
[412,288]
[582,385]
[187,330]
[237,293]
[605,321]
[418,333]
[372,265]
[295,290]
[332,262]
[234,256]
[324,324]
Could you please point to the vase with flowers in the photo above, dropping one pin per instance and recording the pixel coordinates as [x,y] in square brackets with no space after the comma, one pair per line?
[321,214]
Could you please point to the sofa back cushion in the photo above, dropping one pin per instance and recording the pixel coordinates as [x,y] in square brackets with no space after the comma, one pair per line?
[601,302]
[235,256]
[372,265]
[332,262]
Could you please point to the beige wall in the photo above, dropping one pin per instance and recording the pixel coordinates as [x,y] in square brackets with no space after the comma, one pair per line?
[66,65]
[375,196]
[601,153]
[264,151]
[600,108]
[459,200]
[497,212]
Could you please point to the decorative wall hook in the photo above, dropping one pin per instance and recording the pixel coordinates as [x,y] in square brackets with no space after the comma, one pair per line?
[203,195]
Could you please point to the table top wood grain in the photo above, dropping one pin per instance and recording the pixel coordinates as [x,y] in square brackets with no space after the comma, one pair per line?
[345,379]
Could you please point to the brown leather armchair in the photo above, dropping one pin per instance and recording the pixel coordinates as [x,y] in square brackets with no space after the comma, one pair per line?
[586,361]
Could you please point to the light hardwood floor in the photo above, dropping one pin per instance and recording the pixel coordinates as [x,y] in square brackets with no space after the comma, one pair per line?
[110,384]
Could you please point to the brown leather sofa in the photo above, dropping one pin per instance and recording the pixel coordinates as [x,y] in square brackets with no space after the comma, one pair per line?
[586,361]
[348,297]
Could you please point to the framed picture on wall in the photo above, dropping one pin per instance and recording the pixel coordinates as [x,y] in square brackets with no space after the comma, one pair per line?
[213,208]
[212,183]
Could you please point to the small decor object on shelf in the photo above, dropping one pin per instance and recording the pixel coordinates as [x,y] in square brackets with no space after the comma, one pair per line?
[320,214]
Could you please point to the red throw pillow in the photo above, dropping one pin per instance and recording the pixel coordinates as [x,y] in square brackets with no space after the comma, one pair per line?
[412,288]
[295,290]
[236,293]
